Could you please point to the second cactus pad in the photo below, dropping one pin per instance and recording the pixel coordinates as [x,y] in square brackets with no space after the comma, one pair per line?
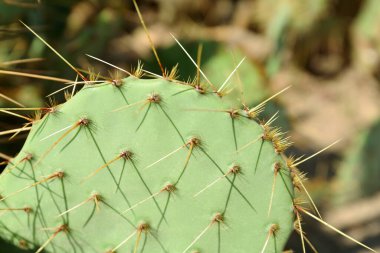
[142,165]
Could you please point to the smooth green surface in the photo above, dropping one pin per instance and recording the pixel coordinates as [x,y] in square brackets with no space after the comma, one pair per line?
[244,199]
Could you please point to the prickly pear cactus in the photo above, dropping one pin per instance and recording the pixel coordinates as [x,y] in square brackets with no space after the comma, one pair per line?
[148,165]
[249,82]
[359,171]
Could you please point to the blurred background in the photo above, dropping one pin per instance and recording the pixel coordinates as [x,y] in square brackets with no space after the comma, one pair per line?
[328,50]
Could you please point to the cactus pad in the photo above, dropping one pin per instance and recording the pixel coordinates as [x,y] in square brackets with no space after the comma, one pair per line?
[148,165]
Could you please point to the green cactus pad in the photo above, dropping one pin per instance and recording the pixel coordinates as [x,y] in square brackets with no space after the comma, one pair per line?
[147,166]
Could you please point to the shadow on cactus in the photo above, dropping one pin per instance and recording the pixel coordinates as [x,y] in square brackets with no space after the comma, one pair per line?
[152,165]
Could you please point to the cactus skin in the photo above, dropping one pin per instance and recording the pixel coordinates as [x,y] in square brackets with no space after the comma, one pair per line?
[93,134]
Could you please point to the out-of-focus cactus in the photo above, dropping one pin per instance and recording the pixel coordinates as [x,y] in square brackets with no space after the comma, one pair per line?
[366,36]
[247,86]
[294,15]
[359,173]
